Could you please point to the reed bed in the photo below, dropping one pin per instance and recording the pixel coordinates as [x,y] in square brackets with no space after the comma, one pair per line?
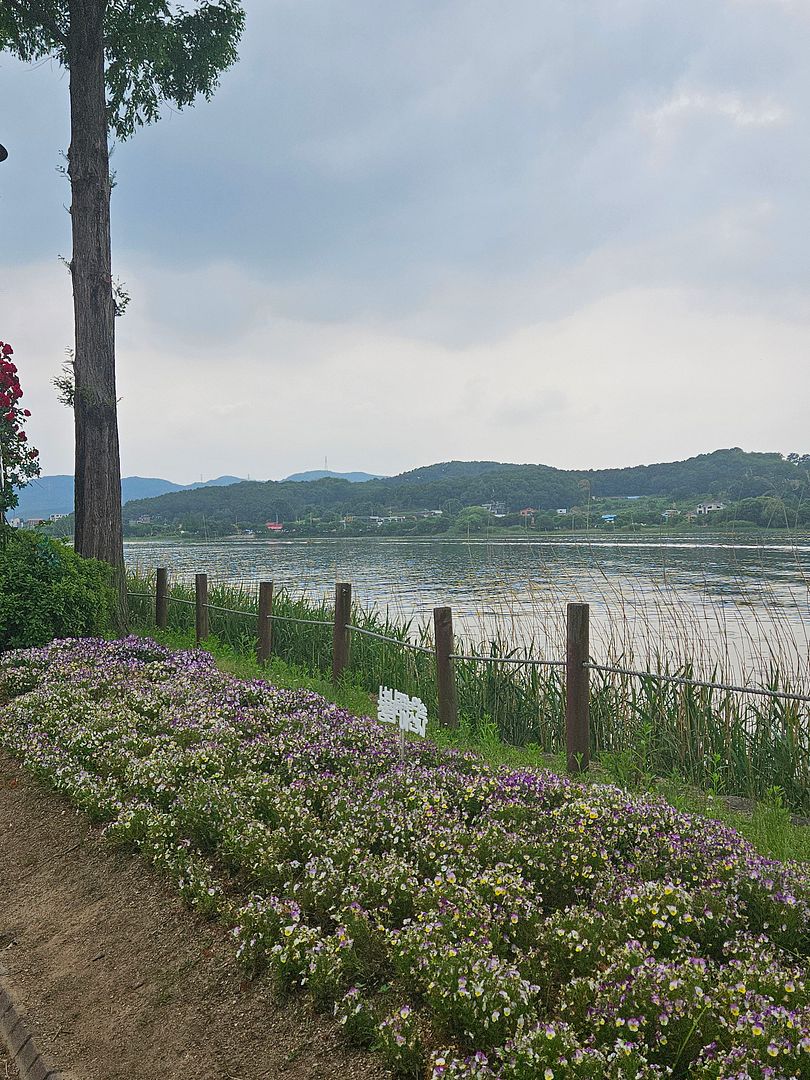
[717,739]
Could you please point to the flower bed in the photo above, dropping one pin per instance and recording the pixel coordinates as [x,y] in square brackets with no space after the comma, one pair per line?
[465,921]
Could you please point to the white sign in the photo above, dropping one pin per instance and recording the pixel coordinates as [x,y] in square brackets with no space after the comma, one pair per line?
[408,713]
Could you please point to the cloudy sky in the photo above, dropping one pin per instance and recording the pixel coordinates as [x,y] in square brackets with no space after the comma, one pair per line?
[566,232]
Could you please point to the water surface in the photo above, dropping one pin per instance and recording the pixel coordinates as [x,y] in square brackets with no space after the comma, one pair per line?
[721,601]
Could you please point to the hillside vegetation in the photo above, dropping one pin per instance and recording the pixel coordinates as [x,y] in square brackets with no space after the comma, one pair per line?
[450,487]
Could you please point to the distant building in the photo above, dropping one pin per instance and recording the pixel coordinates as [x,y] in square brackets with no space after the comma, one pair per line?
[709,508]
[497,509]
[57,517]
[32,523]
[562,510]
[609,518]
[667,514]
[528,512]
[274,526]
[144,519]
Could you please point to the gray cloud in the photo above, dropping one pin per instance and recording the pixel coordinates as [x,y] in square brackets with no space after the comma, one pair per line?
[520,204]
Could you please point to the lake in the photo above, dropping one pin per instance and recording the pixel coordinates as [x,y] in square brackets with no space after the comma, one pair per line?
[736,604]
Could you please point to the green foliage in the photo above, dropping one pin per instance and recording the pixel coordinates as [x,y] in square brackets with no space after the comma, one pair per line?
[157,55]
[462,489]
[155,52]
[48,591]
[472,519]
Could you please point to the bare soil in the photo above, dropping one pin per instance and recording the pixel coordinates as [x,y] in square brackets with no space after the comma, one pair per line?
[8,1070]
[118,980]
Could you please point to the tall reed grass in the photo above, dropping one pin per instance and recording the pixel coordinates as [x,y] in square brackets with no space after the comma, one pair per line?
[717,739]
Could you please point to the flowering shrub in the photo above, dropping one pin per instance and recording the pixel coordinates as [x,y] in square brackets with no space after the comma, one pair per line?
[465,921]
[18,461]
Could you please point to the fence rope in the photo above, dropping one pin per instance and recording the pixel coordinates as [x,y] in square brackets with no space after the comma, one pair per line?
[682,680]
[236,611]
[606,669]
[509,660]
[308,622]
[393,641]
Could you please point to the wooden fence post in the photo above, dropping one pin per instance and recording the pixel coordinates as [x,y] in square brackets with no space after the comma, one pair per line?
[201,605]
[265,621]
[577,705]
[340,634]
[445,674]
[162,598]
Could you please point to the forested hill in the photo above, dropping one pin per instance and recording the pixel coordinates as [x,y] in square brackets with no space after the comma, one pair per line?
[725,474]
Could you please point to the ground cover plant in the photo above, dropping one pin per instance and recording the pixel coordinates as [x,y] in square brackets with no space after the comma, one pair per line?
[768,824]
[465,920]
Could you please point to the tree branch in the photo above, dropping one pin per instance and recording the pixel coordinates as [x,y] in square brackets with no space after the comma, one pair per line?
[37,11]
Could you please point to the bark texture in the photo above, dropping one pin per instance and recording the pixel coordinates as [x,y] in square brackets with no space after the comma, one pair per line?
[97,469]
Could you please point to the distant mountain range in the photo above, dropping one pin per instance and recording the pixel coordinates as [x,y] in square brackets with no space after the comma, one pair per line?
[54,494]
[326,474]
[732,474]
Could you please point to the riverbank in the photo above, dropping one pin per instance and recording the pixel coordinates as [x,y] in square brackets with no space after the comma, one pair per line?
[712,737]
[738,531]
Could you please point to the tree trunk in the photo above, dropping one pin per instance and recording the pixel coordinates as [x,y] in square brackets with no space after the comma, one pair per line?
[98,529]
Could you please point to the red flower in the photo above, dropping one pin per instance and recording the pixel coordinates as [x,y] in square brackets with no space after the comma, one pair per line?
[10,417]
[33,453]
[7,350]
[26,412]
[21,436]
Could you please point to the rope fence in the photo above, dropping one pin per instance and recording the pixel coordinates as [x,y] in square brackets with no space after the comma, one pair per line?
[391,640]
[526,661]
[577,663]
[683,680]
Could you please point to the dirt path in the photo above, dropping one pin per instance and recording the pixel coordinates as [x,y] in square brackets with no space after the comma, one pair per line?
[118,980]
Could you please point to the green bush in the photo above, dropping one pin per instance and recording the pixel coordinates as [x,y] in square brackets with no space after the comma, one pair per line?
[48,591]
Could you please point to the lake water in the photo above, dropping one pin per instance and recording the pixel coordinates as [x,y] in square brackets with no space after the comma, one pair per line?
[732,603]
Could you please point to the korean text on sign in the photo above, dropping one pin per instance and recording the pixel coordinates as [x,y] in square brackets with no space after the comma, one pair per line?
[408,713]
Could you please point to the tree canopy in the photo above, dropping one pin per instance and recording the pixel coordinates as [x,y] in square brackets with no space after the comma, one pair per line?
[155,51]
